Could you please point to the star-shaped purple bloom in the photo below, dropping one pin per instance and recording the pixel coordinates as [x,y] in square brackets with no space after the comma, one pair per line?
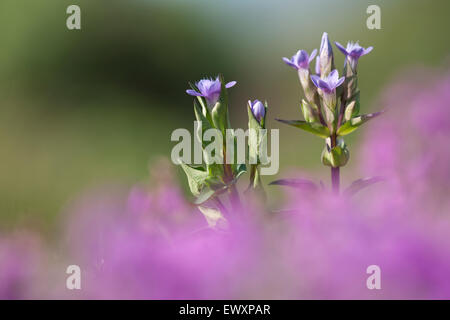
[301,59]
[353,50]
[258,109]
[330,83]
[209,89]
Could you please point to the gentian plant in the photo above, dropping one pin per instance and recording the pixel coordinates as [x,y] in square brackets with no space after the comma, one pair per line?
[208,183]
[257,124]
[331,105]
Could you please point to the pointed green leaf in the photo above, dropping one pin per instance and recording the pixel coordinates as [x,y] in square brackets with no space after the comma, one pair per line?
[354,123]
[219,116]
[208,193]
[314,128]
[196,178]
[239,169]
[304,184]
[204,196]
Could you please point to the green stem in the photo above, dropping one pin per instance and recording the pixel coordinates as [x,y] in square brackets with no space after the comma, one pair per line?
[335,172]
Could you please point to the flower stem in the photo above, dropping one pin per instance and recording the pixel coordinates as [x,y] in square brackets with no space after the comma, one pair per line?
[335,172]
[220,205]
[235,199]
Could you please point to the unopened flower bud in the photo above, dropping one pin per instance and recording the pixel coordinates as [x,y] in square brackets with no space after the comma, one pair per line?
[326,59]
[258,109]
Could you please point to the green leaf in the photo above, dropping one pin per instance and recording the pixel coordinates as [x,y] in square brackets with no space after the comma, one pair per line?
[196,178]
[208,193]
[214,169]
[204,196]
[360,184]
[314,128]
[206,124]
[239,169]
[303,184]
[219,113]
[219,116]
[354,123]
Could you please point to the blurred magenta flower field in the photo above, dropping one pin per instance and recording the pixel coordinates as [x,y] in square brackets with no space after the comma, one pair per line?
[151,243]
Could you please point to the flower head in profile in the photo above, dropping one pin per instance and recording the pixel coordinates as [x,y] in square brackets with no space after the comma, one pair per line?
[301,59]
[258,109]
[209,89]
[353,50]
[330,83]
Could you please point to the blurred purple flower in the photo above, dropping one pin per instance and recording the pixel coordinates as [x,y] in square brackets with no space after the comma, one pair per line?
[301,59]
[330,83]
[258,109]
[18,266]
[407,143]
[209,89]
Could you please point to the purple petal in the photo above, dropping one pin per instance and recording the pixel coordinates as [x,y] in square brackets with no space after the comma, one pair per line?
[313,54]
[366,51]
[318,66]
[315,79]
[193,93]
[341,48]
[215,87]
[258,110]
[339,82]
[289,63]
[333,76]
[230,84]
[301,59]
[325,86]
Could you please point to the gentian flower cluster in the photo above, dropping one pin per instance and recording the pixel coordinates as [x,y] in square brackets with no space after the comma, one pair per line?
[331,108]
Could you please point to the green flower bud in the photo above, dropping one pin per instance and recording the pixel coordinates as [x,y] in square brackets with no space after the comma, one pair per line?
[337,156]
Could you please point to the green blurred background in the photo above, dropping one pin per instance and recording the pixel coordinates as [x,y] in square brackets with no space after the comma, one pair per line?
[84,108]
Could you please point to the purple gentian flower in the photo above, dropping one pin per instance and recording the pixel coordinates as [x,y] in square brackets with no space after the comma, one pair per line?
[330,83]
[209,89]
[301,59]
[353,50]
[258,109]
